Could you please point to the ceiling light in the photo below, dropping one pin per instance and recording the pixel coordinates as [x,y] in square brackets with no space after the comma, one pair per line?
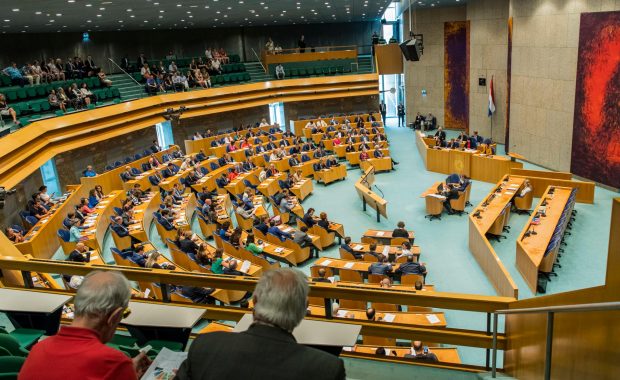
[102,9]
[58,14]
[37,13]
[15,9]
[88,5]
[70,1]
[98,15]
[178,5]
[129,10]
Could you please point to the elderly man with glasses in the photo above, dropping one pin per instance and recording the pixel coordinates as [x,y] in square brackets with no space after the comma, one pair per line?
[78,351]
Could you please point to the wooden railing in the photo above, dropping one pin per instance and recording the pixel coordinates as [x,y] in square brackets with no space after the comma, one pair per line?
[454,301]
[27,149]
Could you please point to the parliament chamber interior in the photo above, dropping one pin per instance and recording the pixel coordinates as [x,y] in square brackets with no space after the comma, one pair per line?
[309,189]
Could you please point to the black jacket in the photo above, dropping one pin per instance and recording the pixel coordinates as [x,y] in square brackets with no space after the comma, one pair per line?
[266,353]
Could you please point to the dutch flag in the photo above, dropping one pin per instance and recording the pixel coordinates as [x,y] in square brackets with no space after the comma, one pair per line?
[491,99]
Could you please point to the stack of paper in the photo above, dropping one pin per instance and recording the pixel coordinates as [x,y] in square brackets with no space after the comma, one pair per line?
[389,317]
[245,266]
[341,313]
[348,265]
[279,249]
[358,247]
[386,250]
[380,233]
[432,318]
[326,263]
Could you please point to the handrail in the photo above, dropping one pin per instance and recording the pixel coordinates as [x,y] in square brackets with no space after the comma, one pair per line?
[317,49]
[259,61]
[550,310]
[601,306]
[126,73]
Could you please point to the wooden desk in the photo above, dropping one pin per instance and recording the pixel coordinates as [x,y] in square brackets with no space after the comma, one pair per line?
[384,236]
[237,185]
[208,180]
[97,225]
[299,125]
[327,176]
[42,240]
[335,264]
[400,317]
[111,179]
[383,164]
[478,243]
[386,250]
[363,188]
[444,354]
[354,157]
[491,168]
[531,249]
[143,215]
[270,186]
[302,189]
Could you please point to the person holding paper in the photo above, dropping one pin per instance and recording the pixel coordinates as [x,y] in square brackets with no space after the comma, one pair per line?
[79,351]
[280,301]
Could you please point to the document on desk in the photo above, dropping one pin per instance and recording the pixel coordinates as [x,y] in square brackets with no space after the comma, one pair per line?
[165,365]
[380,233]
[326,263]
[386,250]
[358,247]
[438,196]
[432,318]
[245,266]
[341,313]
[279,249]
[389,317]
[349,265]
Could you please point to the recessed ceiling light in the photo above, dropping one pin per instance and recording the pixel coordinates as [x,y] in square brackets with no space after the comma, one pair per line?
[15,9]
[102,9]
[70,1]
[98,15]
[129,10]
[88,5]
[58,14]
[37,13]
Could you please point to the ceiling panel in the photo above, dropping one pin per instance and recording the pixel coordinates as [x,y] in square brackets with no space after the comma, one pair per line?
[27,16]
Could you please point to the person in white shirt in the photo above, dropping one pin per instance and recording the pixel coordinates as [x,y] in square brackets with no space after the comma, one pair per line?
[264,123]
[269,46]
[527,187]
[278,50]
[144,71]
[280,71]
[405,250]
[274,156]
[321,123]
[215,64]
[311,124]
[208,53]
[172,67]
[187,163]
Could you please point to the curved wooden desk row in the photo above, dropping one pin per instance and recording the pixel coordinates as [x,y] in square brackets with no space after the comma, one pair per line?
[299,126]
[540,180]
[468,162]
[494,207]
[363,187]
[111,179]
[27,149]
[204,144]
[532,252]
[42,238]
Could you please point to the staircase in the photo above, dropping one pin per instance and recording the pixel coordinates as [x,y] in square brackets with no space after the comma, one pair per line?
[257,74]
[365,64]
[128,88]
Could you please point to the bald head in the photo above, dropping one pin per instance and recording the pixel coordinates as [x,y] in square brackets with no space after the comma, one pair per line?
[101,293]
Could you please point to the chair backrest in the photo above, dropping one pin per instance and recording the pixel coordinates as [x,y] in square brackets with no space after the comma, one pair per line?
[314,271]
[12,345]
[380,306]
[64,235]
[370,258]
[410,279]
[459,203]
[375,278]
[206,228]
[345,255]
[31,220]
[353,304]
[524,202]
[398,240]
[350,275]
[368,240]
[378,341]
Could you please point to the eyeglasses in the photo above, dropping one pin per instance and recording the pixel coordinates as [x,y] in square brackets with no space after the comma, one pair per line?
[126,313]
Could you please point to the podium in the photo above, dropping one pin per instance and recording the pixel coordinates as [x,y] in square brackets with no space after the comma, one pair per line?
[363,187]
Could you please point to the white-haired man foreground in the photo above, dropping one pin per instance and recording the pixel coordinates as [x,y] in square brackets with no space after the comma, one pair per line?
[267,350]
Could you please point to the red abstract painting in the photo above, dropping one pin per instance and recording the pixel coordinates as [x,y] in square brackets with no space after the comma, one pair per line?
[596,131]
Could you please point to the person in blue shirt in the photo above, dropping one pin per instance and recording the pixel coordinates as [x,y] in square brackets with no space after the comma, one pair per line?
[92,199]
[223,232]
[90,172]
[381,267]
[274,230]
[16,76]
[74,232]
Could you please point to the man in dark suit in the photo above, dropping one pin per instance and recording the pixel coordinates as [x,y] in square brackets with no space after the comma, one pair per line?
[322,273]
[127,175]
[440,134]
[401,115]
[155,147]
[122,231]
[231,269]
[279,306]
[421,354]
[381,267]
[383,110]
[293,161]
[400,231]
[411,268]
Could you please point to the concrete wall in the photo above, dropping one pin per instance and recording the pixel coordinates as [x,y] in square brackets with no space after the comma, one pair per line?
[488,58]
[428,73]
[544,66]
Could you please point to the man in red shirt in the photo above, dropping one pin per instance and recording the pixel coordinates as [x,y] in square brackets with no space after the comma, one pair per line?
[79,351]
